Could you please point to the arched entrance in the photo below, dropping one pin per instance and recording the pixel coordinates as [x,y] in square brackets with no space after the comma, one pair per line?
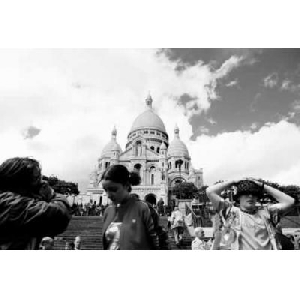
[151,198]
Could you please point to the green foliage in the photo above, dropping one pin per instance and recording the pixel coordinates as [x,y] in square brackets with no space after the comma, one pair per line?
[291,190]
[185,190]
[61,186]
[201,196]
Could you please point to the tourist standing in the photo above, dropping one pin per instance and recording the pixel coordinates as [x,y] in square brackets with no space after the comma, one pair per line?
[159,229]
[199,243]
[177,225]
[247,227]
[29,208]
[77,243]
[70,246]
[47,243]
[127,223]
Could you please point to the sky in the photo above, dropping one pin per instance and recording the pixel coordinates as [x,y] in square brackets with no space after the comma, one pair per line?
[237,109]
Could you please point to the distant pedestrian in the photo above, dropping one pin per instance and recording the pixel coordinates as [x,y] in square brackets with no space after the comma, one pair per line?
[199,243]
[77,243]
[70,246]
[47,243]
[177,225]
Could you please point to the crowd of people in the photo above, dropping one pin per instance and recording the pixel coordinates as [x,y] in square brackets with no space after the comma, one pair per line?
[32,214]
[88,209]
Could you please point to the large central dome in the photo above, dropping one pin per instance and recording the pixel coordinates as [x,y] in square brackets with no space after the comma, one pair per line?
[148,119]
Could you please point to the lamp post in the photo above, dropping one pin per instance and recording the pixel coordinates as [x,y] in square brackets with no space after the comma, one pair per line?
[179,164]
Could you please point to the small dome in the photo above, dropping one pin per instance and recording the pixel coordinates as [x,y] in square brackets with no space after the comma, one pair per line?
[112,145]
[163,146]
[116,147]
[177,147]
[148,119]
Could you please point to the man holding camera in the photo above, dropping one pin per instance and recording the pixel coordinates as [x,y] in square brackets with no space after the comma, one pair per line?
[29,208]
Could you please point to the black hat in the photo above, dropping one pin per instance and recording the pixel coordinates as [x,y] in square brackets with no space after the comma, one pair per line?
[245,187]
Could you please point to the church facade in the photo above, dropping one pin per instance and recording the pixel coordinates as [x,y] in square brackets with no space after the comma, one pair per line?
[148,151]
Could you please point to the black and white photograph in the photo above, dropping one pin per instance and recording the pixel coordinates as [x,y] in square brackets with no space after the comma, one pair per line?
[160,126]
[179,152]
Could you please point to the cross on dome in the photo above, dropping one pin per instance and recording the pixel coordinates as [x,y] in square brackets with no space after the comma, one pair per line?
[114,132]
[149,101]
[176,131]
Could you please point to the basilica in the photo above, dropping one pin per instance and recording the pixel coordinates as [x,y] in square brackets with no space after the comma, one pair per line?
[148,151]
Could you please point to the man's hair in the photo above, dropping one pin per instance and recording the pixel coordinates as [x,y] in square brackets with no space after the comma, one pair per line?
[245,187]
[48,240]
[18,173]
[198,230]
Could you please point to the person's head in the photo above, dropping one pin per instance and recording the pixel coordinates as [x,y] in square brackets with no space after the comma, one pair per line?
[199,233]
[77,242]
[20,174]
[176,208]
[117,182]
[47,243]
[248,193]
[70,246]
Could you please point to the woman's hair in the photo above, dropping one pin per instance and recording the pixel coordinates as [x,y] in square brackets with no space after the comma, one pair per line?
[120,174]
[18,174]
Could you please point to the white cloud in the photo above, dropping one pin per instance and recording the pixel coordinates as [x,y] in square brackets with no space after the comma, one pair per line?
[271,153]
[254,126]
[286,84]
[231,83]
[271,80]
[208,80]
[75,97]
[211,121]
[296,105]
[230,64]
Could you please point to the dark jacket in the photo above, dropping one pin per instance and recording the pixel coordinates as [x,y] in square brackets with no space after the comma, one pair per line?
[137,230]
[160,230]
[25,220]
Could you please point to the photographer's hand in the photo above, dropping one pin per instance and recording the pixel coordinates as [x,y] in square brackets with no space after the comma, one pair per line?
[45,191]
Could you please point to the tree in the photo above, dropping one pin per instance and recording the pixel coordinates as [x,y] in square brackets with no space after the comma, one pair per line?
[61,186]
[185,190]
[202,195]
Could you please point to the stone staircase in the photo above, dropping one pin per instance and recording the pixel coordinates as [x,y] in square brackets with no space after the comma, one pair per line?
[290,222]
[90,231]
[88,228]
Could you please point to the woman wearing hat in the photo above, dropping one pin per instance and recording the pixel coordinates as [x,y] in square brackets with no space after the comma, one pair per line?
[246,227]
